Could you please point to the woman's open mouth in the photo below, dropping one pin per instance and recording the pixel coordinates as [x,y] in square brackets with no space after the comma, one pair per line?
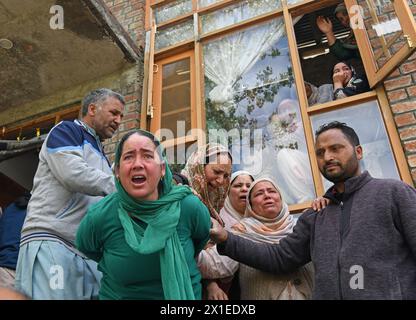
[138,179]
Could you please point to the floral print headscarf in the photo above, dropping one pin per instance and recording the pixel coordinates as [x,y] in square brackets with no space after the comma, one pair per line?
[195,172]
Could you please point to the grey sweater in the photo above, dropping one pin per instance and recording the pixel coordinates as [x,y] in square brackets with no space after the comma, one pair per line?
[377,235]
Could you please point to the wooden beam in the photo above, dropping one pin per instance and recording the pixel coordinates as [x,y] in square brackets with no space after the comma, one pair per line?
[345,102]
[303,102]
[393,135]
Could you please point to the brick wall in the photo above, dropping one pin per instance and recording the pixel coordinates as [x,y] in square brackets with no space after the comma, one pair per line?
[130,14]
[400,85]
[401,91]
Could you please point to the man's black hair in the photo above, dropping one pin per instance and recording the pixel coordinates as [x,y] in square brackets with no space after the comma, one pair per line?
[348,132]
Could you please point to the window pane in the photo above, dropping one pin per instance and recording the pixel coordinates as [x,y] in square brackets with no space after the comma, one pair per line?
[176,97]
[174,35]
[236,13]
[206,3]
[250,92]
[383,29]
[377,154]
[172,10]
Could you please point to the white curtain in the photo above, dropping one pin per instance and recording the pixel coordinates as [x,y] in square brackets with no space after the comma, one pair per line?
[227,59]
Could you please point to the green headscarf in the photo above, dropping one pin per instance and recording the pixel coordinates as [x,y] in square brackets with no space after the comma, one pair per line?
[160,235]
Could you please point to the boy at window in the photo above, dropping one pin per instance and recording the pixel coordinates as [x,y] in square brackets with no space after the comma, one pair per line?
[346,82]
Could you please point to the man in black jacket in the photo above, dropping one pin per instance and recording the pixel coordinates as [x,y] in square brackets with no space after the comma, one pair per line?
[362,245]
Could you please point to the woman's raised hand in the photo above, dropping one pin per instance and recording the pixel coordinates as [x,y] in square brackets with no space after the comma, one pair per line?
[324,24]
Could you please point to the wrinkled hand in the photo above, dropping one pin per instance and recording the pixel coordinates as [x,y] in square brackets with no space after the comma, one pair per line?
[319,203]
[217,233]
[324,24]
[214,292]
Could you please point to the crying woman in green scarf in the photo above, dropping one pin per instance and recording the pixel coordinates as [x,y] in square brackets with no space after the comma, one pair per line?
[145,236]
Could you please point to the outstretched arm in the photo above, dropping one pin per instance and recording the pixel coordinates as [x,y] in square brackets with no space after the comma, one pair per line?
[291,253]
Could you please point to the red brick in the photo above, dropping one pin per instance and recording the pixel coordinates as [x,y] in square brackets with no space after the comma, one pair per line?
[130,97]
[413,56]
[131,124]
[398,82]
[410,146]
[408,133]
[412,160]
[394,74]
[109,148]
[404,106]
[130,116]
[411,91]
[397,95]
[408,67]
[405,119]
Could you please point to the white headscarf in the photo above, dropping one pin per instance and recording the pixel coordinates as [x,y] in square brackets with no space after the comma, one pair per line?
[261,229]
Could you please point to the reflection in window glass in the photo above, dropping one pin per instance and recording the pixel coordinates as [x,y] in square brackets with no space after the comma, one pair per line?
[236,13]
[250,94]
[176,97]
[383,29]
[377,154]
[174,35]
[172,10]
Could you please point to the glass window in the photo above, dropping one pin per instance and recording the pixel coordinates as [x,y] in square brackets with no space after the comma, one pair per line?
[251,99]
[172,10]
[241,11]
[174,34]
[176,97]
[383,29]
[377,154]
[206,3]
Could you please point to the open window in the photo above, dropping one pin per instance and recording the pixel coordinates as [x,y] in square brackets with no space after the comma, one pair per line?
[385,31]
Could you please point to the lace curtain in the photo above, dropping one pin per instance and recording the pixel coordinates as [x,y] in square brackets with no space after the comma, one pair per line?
[227,59]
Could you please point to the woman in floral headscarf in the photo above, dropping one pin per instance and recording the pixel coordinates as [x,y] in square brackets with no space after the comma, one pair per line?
[208,170]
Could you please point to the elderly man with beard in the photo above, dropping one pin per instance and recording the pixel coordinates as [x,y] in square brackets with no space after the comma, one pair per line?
[362,245]
[72,174]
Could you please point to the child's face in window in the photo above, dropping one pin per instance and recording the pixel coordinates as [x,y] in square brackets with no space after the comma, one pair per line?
[342,69]
[344,19]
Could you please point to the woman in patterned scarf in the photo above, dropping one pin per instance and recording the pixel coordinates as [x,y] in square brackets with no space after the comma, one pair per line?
[208,170]
[267,220]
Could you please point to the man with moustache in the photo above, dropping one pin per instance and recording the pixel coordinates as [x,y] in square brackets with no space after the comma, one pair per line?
[73,173]
[362,245]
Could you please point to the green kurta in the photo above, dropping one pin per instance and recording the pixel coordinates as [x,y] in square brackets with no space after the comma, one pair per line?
[128,274]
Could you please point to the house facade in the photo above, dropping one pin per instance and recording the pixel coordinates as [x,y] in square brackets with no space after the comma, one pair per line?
[234,72]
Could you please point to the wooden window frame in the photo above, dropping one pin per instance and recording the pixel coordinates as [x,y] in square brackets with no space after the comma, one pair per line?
[287,13]
[155,122]
[407,21]
[32,124]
